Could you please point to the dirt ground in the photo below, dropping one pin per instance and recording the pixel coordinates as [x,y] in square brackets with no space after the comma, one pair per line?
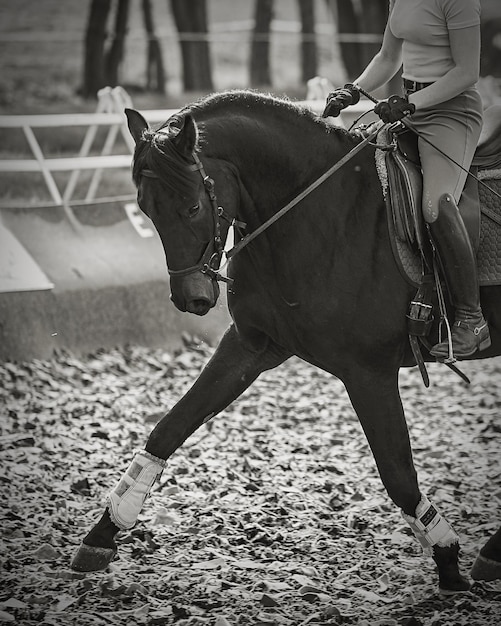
[272,514]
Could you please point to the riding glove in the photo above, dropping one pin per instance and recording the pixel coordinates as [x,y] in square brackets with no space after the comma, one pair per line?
[339,99]
[394,109]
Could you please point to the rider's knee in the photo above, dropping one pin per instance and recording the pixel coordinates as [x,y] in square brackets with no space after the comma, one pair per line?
[431,205]
[430,208]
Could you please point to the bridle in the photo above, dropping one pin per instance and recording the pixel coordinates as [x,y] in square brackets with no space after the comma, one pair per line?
[210,260]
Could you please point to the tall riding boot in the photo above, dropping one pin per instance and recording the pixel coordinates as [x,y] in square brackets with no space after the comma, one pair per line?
[470,331]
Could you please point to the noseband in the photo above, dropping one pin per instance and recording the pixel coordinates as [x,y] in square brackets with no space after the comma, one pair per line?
[210,261]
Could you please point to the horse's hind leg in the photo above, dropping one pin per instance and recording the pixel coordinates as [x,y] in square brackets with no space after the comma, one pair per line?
[488,563]
[376,400]
[232,368]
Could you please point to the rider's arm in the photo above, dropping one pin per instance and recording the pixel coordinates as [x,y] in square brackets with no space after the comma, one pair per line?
[465,52]
[384,65]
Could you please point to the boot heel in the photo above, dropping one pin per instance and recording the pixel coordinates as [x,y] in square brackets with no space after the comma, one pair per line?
[484,344]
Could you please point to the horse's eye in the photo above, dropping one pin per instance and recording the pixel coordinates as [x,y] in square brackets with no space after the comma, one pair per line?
[193,210]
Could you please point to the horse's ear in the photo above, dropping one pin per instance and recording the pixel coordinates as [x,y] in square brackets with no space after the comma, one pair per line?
[186,139]
[137,124]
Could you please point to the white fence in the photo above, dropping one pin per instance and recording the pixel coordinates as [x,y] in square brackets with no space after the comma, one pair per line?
[109,114]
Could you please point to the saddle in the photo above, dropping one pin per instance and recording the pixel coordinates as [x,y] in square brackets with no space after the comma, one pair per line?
[398,166]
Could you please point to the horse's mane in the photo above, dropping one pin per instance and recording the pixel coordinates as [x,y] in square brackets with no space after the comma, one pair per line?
[246,98]
[158,153]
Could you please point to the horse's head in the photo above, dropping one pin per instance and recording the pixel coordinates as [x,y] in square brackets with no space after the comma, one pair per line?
[177,195]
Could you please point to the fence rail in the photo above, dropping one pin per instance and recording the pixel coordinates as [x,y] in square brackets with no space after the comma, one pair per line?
[110,114]
[77,119]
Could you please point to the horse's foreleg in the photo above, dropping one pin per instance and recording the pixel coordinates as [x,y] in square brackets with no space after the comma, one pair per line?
[232,368]
[376,400]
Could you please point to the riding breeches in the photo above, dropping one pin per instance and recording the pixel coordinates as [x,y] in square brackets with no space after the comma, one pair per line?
[448,136]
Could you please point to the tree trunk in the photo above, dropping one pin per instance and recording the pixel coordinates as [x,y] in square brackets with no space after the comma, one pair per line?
[372,20]
[95,36]
[191,23]
[115,54]
[350,51]
[308,42]
[260,49]
[490,60]
[155,73]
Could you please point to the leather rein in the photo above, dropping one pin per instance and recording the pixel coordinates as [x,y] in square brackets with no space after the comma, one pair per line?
[210,262]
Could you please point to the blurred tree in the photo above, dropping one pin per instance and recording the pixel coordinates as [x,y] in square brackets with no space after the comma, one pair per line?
[347,22]
[191,23]
[155,73]
[372,19]
[95,36]
[358,17]
[115,53]
[361,17]
[102,62]
[308,43]
[260,73]
[260,49]
[490,59]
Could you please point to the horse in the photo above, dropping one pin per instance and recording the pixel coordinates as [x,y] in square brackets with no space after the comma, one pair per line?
[320,283]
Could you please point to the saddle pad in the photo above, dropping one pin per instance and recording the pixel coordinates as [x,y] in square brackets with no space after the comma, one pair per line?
[489,250]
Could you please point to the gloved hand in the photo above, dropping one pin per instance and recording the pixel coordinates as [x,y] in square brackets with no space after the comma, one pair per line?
[394,109]
[339,99]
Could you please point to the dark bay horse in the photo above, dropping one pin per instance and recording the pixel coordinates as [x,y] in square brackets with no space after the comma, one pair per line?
[320,283]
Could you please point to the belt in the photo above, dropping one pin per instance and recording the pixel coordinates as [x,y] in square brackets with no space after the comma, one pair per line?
[412,85]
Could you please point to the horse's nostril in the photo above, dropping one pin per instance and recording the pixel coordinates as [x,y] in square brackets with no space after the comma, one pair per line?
[199,306]
[201,302]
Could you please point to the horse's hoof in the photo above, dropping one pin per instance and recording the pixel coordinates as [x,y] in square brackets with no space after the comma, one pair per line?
[450,579]
[92,558]
[453,587]
[447,593]
[486,569]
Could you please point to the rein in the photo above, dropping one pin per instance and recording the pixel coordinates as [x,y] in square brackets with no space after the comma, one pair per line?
[210,261]
[245,241]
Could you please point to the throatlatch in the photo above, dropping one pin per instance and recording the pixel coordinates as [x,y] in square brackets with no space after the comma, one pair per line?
[430,527]
[127,498]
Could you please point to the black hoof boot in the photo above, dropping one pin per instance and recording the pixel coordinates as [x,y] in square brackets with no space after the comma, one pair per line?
[92,558]
[450,579]
[98,548]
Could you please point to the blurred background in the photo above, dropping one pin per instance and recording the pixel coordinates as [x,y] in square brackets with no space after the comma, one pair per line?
[57,54]
[66,225]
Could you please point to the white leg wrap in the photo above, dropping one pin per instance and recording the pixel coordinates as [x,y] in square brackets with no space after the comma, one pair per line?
[127,498]
[430,527]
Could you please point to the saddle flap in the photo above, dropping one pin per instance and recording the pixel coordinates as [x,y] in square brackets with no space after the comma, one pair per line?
[405,193]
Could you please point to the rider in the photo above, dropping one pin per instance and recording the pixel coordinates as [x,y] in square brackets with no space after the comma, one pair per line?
[438,42]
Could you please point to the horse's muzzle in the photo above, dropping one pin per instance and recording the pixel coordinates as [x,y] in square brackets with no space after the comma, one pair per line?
[195,294]
[200,306]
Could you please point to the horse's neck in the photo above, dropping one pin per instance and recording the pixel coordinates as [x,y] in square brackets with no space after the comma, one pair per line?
[276,156]
[342,220]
